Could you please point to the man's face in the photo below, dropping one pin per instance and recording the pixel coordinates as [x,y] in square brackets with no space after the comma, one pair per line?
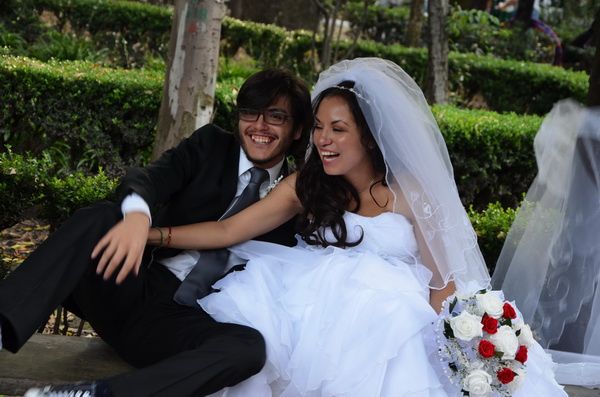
[266,144]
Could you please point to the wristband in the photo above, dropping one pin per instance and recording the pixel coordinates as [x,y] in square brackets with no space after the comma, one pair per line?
[161,236]
[169,237]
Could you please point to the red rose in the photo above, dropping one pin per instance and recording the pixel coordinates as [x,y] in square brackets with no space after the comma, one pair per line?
[487,348]
[521,355]
[505,375]
[490,324]
[509,311]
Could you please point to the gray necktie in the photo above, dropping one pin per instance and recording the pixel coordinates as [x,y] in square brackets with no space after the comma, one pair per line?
[211,265]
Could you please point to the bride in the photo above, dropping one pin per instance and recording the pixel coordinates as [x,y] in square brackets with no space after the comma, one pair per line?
[383,240]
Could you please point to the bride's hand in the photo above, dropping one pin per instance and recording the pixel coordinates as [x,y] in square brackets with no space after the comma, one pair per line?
[122,245]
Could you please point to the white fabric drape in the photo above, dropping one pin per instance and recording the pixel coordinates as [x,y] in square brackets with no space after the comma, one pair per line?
[550,262]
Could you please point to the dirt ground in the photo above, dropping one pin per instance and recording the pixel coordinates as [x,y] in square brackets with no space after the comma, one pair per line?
[16,243]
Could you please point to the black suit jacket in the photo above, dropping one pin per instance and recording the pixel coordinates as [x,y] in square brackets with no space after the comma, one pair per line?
[194,182]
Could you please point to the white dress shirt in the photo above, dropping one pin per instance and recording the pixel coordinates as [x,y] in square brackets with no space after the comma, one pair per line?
[181,264]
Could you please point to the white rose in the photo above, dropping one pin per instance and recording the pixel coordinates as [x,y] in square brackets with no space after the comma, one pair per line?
[506,342]
[466,326]
[490,303]
[477,383]
[526,336]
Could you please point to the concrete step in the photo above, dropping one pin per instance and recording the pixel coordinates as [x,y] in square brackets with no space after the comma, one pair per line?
[56,359]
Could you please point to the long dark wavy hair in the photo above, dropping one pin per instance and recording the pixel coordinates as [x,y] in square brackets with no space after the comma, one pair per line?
[324,197]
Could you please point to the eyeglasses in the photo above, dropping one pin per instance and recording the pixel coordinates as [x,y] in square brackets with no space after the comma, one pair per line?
[270,116]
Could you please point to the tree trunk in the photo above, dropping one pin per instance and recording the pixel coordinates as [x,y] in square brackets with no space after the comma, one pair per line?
[237,8]
[593,98]
[189,88]
[436,85]
[524,11]
[415,24]
[330,14]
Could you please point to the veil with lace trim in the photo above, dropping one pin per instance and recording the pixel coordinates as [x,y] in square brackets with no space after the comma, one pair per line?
[418,165]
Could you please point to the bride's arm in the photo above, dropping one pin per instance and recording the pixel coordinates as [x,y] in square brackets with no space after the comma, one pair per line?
[436,296]
[276,208]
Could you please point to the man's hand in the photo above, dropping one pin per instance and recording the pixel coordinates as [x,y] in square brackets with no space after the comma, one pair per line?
[123,244]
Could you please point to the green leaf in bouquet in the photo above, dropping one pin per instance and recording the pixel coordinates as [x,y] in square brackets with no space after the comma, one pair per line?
[453,304]
[448,333]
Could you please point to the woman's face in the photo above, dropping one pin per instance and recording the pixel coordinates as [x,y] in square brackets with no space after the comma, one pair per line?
[338,139]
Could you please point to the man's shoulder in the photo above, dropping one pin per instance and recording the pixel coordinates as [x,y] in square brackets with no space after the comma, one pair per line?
[212,133]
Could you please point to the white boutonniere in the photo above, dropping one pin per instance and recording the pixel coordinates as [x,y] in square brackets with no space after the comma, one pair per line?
[271,187]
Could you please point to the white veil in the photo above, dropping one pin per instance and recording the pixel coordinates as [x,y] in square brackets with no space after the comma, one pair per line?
[418,165]
[550,262]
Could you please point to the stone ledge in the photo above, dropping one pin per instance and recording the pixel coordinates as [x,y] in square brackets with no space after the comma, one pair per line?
[55,359]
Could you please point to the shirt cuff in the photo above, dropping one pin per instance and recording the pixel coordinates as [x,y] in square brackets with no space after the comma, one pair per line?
[135,203]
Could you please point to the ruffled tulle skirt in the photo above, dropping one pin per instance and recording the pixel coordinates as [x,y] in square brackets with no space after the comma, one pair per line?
[339,323]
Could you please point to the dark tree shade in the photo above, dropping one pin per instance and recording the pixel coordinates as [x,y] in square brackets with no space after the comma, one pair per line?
[593,98]
[524,11]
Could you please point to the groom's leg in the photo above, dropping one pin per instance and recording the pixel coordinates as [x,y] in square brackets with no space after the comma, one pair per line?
[43,281]
[182,350]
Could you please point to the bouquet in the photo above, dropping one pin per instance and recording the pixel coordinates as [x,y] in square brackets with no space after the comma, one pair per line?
[482,343]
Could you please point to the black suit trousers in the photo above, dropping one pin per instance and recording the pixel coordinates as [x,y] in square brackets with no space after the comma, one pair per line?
[179,350]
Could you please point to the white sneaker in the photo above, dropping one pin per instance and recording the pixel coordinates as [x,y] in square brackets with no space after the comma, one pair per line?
[80,390]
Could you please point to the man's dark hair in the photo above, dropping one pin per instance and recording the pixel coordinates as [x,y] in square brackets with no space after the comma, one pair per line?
[263,88]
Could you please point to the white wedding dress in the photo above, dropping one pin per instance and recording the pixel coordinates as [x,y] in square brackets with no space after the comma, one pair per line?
[344,322]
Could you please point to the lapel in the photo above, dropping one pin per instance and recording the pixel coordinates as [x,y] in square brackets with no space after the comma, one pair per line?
[229,179]
[284,169]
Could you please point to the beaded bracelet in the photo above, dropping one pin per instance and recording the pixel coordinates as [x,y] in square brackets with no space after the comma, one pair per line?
[161,236]
[169,237]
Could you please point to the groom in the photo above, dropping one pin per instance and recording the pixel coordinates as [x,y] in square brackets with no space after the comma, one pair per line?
[127,294]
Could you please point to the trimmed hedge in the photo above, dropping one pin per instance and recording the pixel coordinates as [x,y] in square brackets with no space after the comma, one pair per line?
[107,118]
[492,154]
[492,226]
[131,29]
[105,115]
[506,85]
[57,198]
[27,182]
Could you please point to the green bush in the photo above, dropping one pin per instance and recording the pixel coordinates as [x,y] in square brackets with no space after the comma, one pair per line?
[506,86]
[480,32]
[106,116]
[21,17]
[13,41]
[513,86]
[64,47]
[383,24]
[28,182]
[492,226]
[88,116]
[132,28]
[492,154]
[269,44]
[22,182]
[65,195]
[129,29]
